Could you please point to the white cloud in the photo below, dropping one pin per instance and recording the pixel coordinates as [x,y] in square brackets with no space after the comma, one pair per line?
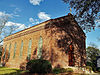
[35,2]
[5,14]
[34,21]
[43,16]
[31,20]
[12,24]
[19,25]
[37,22]
[17,10]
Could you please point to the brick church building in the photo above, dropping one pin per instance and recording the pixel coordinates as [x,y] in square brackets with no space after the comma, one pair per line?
[60,40]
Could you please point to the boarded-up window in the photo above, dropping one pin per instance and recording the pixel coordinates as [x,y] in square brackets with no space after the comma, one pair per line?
[15,49]
[21,49]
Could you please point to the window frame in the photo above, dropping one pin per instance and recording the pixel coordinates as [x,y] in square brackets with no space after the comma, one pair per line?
[29,49]
[9,50]
[40,46]
[15,46]
[21,48]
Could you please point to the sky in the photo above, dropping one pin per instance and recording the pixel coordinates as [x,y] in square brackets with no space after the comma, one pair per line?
[27,13]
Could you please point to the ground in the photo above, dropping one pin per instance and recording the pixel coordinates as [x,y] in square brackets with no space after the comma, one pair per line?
[10,71]
[13,71]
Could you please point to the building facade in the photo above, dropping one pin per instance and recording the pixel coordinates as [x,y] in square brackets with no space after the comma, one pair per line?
[60,40]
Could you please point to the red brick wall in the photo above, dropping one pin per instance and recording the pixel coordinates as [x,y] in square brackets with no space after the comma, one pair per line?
[57,35]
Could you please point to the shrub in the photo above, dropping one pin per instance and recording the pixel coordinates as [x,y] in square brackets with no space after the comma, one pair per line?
[62,70]
[39,66]
[69,70]
[98,69]
[89,67]
[89,64]
[56,70]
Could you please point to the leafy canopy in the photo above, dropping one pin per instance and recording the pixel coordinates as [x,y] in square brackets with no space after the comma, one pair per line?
[92,52]
[87,12]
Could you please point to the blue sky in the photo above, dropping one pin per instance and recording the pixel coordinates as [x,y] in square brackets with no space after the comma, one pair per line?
[26,13]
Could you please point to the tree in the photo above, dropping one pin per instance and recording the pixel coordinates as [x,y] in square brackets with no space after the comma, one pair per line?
[5,30]
[3,20]
[92,53]
[87,12]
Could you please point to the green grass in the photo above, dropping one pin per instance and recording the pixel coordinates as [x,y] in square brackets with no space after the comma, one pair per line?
[13,71]
[10,71]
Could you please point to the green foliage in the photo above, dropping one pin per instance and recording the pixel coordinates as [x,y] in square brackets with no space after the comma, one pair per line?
[69,69]
[88,63]
[62,70]
[98,69]
[56,70]
[86,12]
[39,66]
[89,67]
[92,53]
[59,70]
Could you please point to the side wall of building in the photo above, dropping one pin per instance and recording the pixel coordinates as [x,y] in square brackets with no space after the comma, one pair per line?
[57,37]
[15,61]
[50,50]
[66,32]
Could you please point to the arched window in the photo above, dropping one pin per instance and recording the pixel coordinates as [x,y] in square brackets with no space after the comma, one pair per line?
[21,48]
[9,50]
[15,49]
[39,50]
[29,49]
[4,52]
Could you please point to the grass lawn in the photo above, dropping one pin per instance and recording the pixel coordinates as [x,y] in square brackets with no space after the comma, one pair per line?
[10,71]
[13,71]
